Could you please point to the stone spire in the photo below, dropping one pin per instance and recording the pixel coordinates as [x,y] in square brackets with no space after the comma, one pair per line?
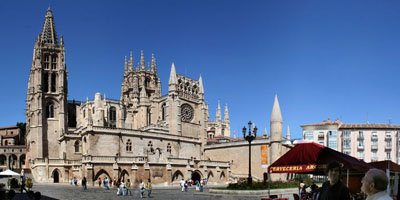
[130,66]
[153,64]
[125,66]
[234,134]
[226,114]
[265,132]
[288,133]
[172,75]
[276,111]
[218,114]
[49,35]
[142,64]
[201,87]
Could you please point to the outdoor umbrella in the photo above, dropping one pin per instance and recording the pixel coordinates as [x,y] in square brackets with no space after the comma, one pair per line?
[313,158]
[9,173]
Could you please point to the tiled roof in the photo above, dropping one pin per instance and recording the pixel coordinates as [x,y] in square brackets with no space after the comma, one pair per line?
[8,127]
[370,126]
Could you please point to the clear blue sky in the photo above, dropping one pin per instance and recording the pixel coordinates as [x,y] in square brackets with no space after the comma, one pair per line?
[337,59]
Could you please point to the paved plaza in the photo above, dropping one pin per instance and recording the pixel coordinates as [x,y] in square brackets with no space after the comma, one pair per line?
[63,191]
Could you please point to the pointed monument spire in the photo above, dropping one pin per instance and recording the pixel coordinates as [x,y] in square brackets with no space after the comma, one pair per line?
[201,87]
[49,35]
[130,66]
[218,114]
[153,64]
[276,111]
[234,134]
[226,114]
[172,75]
[288,133]
[265,132]
[126,66]
[142,64]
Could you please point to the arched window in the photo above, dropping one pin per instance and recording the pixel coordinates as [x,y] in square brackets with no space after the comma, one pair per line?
[150,146]
[169,148]
[148,117]
[53,61]
[6,143]
[129,146]
[113,114]
[53,82]
[76,146]
[50,110]
[147,82]
[46,82]
[163,111]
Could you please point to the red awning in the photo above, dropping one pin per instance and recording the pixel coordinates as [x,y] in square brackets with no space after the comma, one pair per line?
[313,158]
[386,164]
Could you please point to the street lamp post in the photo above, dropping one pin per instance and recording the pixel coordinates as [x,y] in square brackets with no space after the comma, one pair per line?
[250,137]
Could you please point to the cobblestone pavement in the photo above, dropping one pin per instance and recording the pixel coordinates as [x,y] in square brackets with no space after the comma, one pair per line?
[63,191]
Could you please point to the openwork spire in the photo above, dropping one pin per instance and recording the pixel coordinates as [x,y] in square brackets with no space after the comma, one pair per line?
[153,64]
[49,35]
[142,64]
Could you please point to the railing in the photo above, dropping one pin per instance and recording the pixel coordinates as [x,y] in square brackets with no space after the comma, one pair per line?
[360,147]
[374,138]
[374,146]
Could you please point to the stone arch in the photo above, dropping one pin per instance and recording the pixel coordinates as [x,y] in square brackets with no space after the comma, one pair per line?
[124,175]
[196,176]
[177,176]
[222,177]
[12,161]
[56,175]
[3,159]
[210,176]
[102,174]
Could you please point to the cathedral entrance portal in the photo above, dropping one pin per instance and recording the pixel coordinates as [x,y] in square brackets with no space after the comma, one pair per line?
[56,176]
[196,176]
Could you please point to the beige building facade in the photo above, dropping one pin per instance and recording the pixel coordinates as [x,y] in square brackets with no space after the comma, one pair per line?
[12,148]
[368,142]
[142,135]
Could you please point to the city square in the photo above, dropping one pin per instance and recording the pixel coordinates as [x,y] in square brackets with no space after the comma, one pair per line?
[228,99]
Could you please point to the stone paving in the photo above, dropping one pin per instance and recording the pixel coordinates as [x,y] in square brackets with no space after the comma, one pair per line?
[63,191]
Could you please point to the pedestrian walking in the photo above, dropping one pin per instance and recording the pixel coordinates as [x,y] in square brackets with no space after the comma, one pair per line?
[118,188]
[201,185]
[84,183]
[186,186]
[182,183]
[22,184]
[99,182]
[106,183]
[75,181]
[142,189]
[149,187]
[123,187]
[128,188]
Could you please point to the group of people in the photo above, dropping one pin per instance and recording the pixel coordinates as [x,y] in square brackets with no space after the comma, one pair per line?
[123,188]
[374,185]
[198,183]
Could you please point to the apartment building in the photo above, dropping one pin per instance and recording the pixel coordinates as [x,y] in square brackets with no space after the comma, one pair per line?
[368,142]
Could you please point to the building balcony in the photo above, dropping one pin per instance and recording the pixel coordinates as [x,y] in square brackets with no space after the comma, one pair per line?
[388,148]
[374,138]
[360,137]
[388,138]
[360,147]
[374,147]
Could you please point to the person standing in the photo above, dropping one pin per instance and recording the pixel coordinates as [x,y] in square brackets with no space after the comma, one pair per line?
[22,184]
[106,183]
[201,185]
[186,186]
[149,187]
[84,183]
[142,189]
[334,189]
[374,185]
[128,188]
[182,183]
[99,182]
[75,181]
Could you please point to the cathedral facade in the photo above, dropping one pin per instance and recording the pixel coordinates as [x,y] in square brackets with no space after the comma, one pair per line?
[143,135]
